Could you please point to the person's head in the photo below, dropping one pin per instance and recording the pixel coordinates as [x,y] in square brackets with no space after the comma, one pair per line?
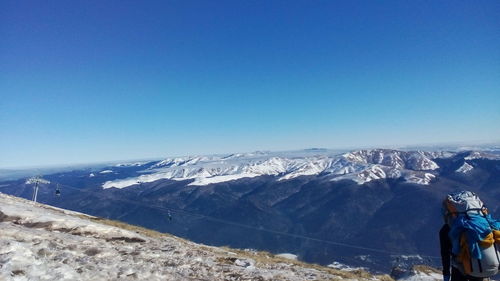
[446,214]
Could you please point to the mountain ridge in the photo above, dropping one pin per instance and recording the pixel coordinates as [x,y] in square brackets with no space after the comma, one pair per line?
[361,166]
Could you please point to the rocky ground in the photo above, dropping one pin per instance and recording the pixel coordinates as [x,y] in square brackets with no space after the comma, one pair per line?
[39,242]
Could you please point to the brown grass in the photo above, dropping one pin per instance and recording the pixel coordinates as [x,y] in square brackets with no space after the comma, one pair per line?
[130,227]
[426,269]
[262,258]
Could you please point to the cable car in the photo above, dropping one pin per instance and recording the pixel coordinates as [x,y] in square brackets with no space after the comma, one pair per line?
[58,191]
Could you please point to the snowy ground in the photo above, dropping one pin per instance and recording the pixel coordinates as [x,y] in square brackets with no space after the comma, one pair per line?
[423,276]
[38,242]
[421,273]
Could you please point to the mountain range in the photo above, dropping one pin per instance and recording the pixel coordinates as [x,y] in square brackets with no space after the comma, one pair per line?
[373,208]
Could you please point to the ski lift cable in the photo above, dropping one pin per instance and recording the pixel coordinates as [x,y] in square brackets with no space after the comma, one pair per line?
[232,223]
[190,213]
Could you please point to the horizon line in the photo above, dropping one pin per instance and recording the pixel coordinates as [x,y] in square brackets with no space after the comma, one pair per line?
[455,145]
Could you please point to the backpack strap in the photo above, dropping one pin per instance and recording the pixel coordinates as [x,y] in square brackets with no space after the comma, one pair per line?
[496,252]
[480,211]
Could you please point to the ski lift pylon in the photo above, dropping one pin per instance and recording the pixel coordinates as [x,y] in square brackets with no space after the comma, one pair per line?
[36,180]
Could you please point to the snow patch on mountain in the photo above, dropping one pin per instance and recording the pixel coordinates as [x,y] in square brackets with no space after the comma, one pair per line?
[420,178]
[344,267]
[106,172]
[465,168]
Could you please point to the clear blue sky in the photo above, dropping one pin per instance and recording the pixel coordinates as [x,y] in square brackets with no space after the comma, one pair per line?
[84,81]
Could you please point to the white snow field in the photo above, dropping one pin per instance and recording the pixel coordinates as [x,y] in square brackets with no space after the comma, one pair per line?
[40,242]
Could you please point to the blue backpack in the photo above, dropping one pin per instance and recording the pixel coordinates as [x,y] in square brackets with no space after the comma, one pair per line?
[474,235]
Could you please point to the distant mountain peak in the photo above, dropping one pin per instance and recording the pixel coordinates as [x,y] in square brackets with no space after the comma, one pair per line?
[465,168]
[480,155]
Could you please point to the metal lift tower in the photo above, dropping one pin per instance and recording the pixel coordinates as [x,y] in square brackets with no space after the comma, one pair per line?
[36,181]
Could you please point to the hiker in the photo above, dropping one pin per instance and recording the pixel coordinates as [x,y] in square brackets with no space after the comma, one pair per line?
[467,239]
[446,255]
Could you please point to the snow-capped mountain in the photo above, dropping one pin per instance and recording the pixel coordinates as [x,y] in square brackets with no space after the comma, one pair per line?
[481,155]
[361,166]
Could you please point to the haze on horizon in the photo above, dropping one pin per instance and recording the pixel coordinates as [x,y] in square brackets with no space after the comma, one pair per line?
[86,82]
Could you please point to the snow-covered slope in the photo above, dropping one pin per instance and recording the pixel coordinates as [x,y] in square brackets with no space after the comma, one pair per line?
[39,242]
[361,166]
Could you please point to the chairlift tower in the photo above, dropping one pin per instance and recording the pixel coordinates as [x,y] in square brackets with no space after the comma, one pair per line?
[36,181]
